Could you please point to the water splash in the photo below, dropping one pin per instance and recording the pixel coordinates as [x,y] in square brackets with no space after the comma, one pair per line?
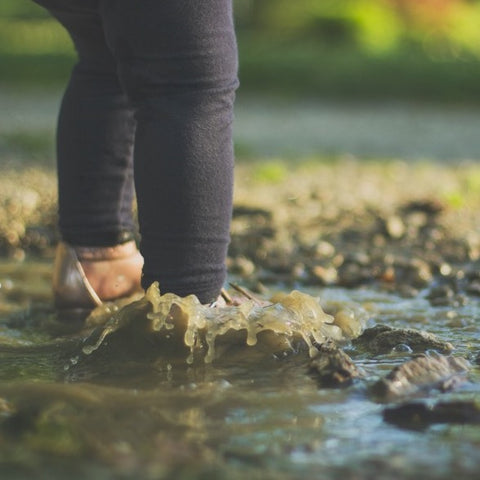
[291,316]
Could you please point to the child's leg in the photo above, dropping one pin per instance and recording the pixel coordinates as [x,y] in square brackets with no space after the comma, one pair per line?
[95,137]
[177,61]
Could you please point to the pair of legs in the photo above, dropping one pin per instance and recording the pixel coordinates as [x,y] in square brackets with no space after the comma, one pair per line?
[150,104]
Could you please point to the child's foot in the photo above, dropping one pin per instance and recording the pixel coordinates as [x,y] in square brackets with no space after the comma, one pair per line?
[85,277]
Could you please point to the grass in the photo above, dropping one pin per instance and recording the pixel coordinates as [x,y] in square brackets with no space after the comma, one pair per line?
[34,51]
[465,192]
[275,66]
[33,143]
[271,172]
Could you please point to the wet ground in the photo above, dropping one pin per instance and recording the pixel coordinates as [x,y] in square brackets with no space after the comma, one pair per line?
[389,243]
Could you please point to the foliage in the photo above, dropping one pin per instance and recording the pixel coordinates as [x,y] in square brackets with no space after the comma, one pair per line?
[425,49]
[448,27]
[273,171]
[34,48]
[300,68]
[441,27]
[21,9]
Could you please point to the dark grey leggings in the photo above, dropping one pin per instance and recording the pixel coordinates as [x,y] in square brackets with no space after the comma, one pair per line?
[150,103]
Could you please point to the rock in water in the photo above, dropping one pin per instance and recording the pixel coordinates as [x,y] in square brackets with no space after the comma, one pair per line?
[332,367]
[418,415]
[420,374]
[383,339]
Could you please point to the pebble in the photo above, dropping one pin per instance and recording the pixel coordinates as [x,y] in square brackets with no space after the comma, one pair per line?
[421,373]
[418,415]
[395,227]
[383,338]
[332,367]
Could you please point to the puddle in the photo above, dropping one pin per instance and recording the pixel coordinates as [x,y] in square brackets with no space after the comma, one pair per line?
[134,407]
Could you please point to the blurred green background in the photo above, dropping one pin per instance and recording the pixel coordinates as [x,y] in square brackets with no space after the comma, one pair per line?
[321,81]
[428,49]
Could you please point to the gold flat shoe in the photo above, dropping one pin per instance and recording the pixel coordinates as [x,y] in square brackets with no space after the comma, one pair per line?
[85,277]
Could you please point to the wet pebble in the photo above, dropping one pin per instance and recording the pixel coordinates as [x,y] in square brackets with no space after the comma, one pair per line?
[441,295]
[352,274]
[332,367]
[421,373]
[407,291]
[473,288]
[446,295]
[323,275]
[383,338]
[414,272]
[419,415]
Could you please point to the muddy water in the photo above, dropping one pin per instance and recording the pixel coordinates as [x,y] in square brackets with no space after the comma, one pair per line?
[132,401]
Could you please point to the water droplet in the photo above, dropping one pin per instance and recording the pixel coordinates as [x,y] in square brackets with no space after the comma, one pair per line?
[402,348]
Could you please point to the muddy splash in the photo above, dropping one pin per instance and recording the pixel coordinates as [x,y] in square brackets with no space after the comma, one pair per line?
[288,323]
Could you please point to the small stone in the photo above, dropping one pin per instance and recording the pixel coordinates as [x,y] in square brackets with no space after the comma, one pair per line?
[424,372]
[473,288]
[324,275]
[388,275]
[332,367]
[324,249]
[431,207]
[381,339]
[445,269]
[419,415]
[395,227]
[352,274]
[415,272]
